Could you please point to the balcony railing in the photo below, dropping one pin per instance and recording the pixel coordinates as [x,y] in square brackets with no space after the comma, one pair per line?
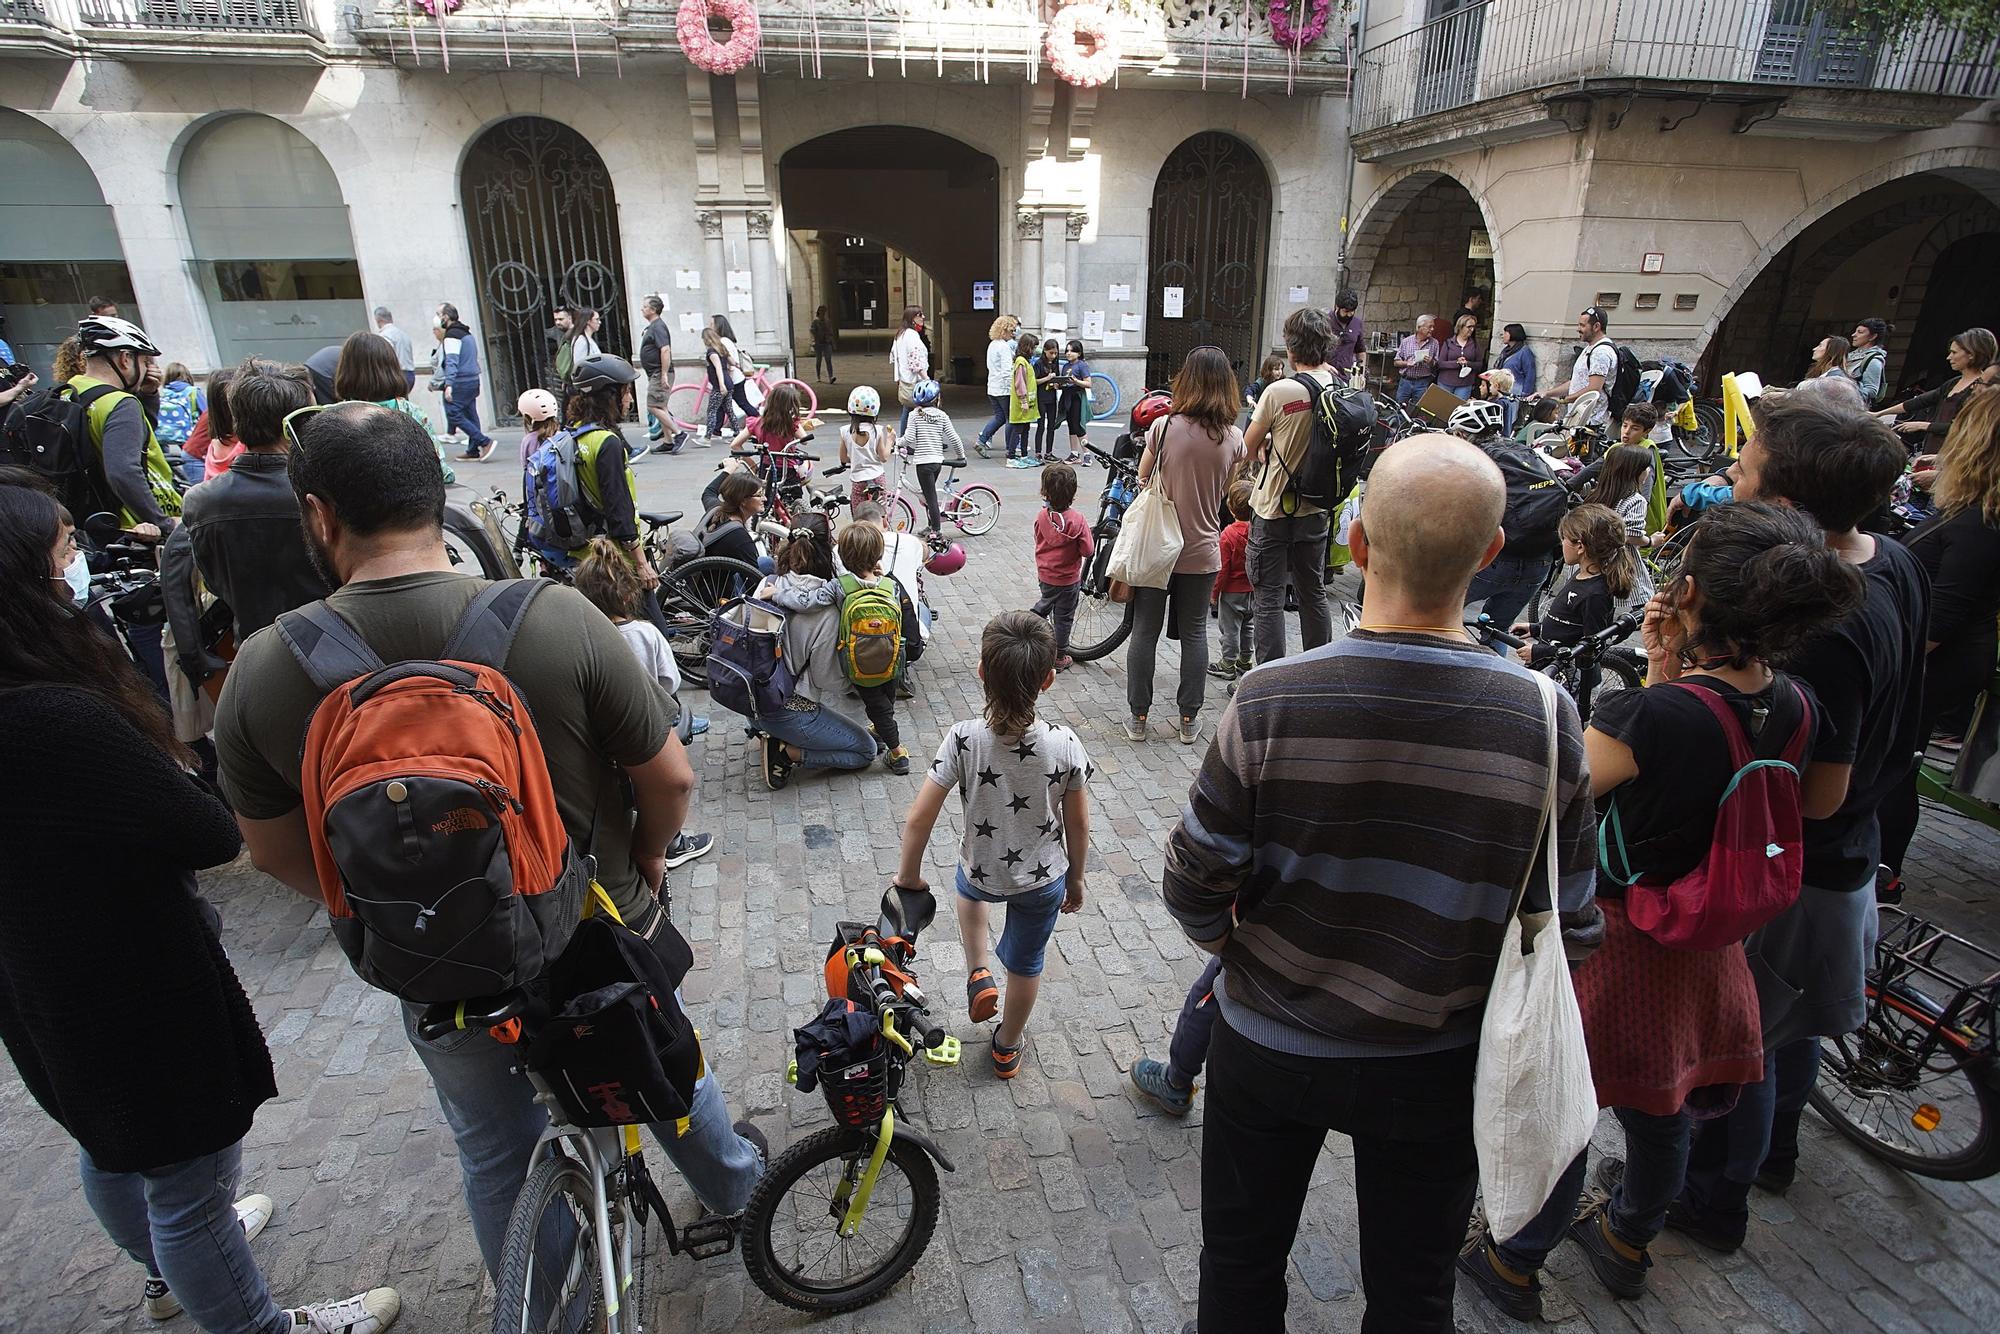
[24,11]
[1499,47]
[272,16]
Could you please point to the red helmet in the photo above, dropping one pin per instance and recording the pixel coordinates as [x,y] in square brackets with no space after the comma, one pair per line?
[1151,406]
[948,559]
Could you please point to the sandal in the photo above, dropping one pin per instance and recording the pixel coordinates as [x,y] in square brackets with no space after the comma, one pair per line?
[1007,1060]
[982,997]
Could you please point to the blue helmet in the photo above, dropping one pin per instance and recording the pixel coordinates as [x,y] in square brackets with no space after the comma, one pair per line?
[924,393]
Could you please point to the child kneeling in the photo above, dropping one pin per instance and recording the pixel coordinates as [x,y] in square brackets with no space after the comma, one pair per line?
[1022,784]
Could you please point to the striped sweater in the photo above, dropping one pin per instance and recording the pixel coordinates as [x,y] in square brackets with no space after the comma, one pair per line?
[1365,815]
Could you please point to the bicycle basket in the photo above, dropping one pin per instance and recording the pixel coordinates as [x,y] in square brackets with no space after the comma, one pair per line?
[858,1093]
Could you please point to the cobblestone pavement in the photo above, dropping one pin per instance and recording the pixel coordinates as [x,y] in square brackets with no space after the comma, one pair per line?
[1075,1205]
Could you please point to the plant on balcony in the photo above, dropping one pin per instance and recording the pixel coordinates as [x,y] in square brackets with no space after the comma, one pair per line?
[1082,46]
[1298,23]
[699,45]
[433,8]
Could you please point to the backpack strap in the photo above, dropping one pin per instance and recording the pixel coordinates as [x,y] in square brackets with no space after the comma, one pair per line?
[329,649]
[485,633]
[1733,733]
[849,586]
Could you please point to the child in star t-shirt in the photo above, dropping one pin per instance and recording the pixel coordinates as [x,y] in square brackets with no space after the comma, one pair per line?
[1023,786]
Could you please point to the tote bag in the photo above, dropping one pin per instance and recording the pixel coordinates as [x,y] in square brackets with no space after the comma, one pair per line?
[1149,540]
[1533,1102]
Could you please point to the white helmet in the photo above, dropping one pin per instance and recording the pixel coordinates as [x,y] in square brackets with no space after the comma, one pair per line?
[108,333]
[863,401]
[1476,418]
[537,405]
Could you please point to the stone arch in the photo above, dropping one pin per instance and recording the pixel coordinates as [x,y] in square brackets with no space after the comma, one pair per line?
[63,263]
[1983,215]
[1390,305]
[1210,236]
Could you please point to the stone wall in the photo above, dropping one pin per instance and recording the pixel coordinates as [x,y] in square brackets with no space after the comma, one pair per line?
[1420,269]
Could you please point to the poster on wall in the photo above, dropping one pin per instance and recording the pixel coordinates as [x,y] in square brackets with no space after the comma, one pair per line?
[688,280]
[691,322]
[1170,302]
[1093,324]
[982,296]
[1298,296]
[1054,296]
[1054,321]
[1121,291]
[739,302]
[739,280]
[1128,322]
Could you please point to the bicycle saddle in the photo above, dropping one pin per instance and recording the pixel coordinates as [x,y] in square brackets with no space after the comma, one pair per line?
[481,1012]
[668,519]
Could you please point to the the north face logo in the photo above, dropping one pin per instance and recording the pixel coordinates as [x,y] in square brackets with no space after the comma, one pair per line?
[463,820]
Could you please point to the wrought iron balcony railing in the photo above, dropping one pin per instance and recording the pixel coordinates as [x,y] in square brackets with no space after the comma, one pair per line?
[236,16]
[24,11]
[1500,47]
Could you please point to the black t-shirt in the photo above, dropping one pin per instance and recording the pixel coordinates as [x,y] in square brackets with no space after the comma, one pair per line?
[1581,606]
[1868,675]
[1666,816]
[653,344]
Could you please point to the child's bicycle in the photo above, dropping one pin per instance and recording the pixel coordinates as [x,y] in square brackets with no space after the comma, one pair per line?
[846,1212]
[972,508]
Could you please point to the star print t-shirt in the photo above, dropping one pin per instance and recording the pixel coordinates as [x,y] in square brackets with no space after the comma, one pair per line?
[1012,791]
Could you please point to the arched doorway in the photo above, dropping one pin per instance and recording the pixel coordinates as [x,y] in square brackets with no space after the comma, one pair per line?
[1211,234]
[1417,251]
[890,215]
[542,221]
[268,229]
[58,241]
[1962,292]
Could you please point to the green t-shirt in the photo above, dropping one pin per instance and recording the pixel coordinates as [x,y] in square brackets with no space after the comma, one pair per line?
[594,707]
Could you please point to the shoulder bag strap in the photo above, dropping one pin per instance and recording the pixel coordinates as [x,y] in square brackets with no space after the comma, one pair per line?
[485,633]
[1545,832]
[329,649]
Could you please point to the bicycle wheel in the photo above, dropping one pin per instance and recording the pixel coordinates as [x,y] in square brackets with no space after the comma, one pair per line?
[902,516]
[1703,442]
[687,404]
[791,1246]
[551,1277]
[1924,1117]
[689,596]
[975,509]
[1618,670]
[1101,625]
[812,399]
[1103,396]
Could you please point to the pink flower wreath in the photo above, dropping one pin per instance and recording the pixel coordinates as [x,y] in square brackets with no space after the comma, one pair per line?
[1282,31]
[702,50]
[1075,25]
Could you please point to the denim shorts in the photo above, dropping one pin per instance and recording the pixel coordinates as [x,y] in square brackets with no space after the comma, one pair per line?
[1031,920]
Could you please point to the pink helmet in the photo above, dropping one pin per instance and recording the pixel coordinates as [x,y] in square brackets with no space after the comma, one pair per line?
[537,405]
[946,559]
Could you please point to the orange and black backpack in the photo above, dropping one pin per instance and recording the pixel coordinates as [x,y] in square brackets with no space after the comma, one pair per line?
[442,858]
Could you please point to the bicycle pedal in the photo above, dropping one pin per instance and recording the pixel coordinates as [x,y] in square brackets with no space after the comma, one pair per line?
[945,1053]
[706,1238]
[792,1071]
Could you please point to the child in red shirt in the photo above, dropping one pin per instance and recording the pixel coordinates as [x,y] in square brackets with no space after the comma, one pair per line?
[1062,542]
[1232,588]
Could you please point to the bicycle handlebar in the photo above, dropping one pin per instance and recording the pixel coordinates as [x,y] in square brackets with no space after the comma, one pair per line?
[1487,628]
[772,453]
[450,1016]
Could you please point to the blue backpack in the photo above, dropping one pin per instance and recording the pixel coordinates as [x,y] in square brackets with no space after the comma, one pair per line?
[747,669]
[552,510]
[180,404]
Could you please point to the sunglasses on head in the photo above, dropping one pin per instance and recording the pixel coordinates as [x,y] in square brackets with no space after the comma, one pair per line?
[295,424]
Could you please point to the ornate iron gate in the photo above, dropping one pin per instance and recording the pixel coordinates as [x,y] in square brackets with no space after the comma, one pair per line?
[1211,229]
[543,223]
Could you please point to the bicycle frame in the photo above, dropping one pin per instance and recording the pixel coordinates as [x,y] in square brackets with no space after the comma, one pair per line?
[1908,950]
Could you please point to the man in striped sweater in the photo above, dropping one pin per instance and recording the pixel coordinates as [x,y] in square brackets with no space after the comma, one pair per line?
[1360,826]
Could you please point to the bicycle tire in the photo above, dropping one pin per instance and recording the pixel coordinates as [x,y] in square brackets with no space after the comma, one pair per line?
[812,399]
[902,516]
[975,509]
[690,593]
[1101,386]
[786,1170]
[686,404]
[553,1178]
[1706,438]
[1095,609]
[1847,1085]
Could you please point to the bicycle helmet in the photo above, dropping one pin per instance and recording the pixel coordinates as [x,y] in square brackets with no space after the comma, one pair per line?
[947,559]
[601,371]
[924,393]
[863,402]
[108,333]
[1150,408]
[537,405]
[1477,418]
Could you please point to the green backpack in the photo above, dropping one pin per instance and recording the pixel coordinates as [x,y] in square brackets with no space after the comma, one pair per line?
[871,631]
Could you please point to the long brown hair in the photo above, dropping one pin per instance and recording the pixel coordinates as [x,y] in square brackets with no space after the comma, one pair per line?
[778,424]
[1206,391]
[1969,461]
[608,581]
[49,641]
[1837,349]
[1601,534]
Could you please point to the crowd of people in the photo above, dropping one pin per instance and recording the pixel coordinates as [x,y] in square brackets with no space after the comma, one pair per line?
[1369,813]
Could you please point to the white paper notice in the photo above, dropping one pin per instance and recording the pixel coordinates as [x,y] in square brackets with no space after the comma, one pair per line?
[739,301]
[688,280]
[1121,291]
[1054,296]
[1093,324]
[1114,339]
[739,280]
[1129,322]
[1298,296]
[1170,302]
[691,322]
[1054,321]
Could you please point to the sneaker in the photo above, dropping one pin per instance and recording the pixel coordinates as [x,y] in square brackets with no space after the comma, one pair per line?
[696,726]
[1888,889]
[1225,670]
[897,761]
[159,1302]
[777,767]
[984,451]
[1512,1294]
[1619,1267]
[756,1138]
[654,432]
[665,447]
[253,1213]
[1189,732]
[367,1312]
[1777,1180]
[1065,662]
[1721,1235]
[1151,1078]
[1135,729]
[704,441]
[686,847]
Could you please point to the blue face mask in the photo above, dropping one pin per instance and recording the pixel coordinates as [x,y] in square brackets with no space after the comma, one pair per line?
[77,575]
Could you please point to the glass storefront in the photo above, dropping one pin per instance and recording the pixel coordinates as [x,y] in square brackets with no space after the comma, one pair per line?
[58,243]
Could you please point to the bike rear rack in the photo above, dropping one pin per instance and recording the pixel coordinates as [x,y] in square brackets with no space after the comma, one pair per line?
[1911,948]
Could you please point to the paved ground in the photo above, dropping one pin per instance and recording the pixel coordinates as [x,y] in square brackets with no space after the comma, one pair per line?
[1075,1204]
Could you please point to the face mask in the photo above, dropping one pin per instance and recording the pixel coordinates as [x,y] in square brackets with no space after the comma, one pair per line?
[77,575]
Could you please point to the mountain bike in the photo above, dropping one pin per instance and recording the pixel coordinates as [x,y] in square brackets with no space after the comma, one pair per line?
[574,1261]
[1101,625]
[1592,669]
[688,401]
[1918,1084]
[841,1216]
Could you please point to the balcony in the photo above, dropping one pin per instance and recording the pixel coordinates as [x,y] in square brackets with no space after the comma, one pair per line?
[28,29]
[549,35]
[201,30]
[1512,69]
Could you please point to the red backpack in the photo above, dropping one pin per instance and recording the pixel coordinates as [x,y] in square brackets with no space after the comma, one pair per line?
[1756,856]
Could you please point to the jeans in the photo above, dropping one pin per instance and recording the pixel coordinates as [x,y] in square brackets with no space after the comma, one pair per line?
[1459,391]
[1017,440]
[903,422]
[999,404]
[1233,617]
[461,413]
[1031,921]
[180,1222]
[1188,1051]
[823,357]
[1409,391]
[1189,595]
[1415,1173]
[1294,547]
[1506,587]
[740,396]
[1057,606]
[497,1125]
[827,740]
[1656,1159]
[880,702]
[927,475]
[1045,428]
[1761,1131]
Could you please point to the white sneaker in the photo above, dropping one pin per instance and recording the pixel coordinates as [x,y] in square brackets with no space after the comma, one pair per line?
[253,1212]
[364,1313]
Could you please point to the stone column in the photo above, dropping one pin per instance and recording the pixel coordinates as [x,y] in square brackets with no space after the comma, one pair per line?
[767,290]
[1073,225]
[1027,303]
[714,265]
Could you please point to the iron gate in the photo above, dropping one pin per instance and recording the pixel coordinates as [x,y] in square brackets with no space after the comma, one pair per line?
[543,222]
[1211,228]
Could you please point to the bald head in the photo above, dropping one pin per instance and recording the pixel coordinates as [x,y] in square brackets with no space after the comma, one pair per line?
[1431,517]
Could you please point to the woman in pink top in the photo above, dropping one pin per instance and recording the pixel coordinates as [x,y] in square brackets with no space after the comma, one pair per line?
[213,439]
[1189,456]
